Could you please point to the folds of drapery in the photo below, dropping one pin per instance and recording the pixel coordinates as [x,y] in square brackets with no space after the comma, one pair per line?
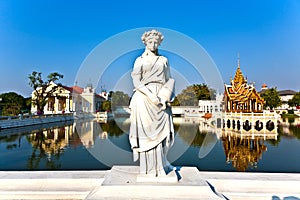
[150,125]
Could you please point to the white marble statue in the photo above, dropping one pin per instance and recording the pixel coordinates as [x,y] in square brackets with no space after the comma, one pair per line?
[151,129]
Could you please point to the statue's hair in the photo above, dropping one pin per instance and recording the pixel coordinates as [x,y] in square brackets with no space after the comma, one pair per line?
[152,34]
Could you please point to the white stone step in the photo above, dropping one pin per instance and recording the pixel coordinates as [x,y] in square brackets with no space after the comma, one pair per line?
[153,192]
[123,183]
[32,195]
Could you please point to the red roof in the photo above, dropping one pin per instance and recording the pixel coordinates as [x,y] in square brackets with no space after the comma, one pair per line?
[76,89]
[67,88]
[264,85]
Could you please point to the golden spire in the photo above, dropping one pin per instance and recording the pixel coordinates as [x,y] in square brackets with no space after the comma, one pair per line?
[238,78]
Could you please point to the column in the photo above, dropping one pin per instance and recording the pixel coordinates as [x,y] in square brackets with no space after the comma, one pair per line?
[55,105]
[264,122]
[228,106]
[67,109]
[241,122]
[252,124]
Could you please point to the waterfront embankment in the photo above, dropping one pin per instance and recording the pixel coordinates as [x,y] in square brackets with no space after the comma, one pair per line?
[23,121]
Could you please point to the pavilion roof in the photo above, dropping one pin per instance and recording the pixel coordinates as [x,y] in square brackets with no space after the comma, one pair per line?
[239,90]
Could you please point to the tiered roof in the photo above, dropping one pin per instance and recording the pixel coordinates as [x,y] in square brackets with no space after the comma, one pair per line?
[240,90]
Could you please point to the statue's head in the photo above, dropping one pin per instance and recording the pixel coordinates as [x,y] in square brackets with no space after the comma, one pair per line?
[154,35]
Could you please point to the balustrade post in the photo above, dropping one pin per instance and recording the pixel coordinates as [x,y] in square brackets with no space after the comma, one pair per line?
[252,122]
[264,122]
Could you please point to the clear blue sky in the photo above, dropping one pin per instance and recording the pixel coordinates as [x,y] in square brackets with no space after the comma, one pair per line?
[56,35]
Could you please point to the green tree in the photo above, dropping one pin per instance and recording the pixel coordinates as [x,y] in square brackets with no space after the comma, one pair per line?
[105,106]
[175,102]
[295,101]
[192,94]
[272,98]
[42,91]
[119,98]
[203,92]
[187,97]
[12,103]
[28,103]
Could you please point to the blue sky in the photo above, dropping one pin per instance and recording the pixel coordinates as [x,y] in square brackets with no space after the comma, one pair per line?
[55,35]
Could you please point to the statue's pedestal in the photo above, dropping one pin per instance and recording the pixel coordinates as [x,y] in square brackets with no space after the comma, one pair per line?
[170,178]
[125,182]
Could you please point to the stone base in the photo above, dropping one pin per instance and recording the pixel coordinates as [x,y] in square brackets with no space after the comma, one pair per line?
[170,178]
[125,182]
[128,175]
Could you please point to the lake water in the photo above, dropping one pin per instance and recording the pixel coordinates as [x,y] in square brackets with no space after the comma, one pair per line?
[98,145]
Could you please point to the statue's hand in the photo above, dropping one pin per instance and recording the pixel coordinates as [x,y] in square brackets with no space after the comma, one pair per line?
[154,99]
[162,104]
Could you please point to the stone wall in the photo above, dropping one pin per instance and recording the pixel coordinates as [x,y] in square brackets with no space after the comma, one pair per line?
[34,120]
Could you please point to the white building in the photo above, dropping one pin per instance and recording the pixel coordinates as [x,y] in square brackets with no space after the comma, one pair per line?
[285,96]
[211,106]
[71,100]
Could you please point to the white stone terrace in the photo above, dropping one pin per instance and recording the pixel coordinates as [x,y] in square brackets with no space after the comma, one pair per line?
[120,183]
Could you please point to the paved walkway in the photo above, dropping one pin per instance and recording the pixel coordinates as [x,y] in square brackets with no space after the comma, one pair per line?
[122,182]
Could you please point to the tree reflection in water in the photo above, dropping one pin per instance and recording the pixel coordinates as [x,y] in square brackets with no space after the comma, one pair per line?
[190,134]
[295,131]
[47,147]
[112,128]
[10,141]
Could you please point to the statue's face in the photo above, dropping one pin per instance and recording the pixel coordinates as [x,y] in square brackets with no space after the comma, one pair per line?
[152,44]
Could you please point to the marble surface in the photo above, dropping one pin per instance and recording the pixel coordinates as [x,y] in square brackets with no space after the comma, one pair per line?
[108,185]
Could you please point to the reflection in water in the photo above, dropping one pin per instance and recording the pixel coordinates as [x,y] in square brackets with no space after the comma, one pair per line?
[90,130]
[54,147]
[290,127]
[189,133]
[112,128]
[192,135]
[14,141]
[87,131]
[47,147]
[243,152]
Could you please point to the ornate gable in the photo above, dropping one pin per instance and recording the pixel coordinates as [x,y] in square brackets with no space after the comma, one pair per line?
[240,96]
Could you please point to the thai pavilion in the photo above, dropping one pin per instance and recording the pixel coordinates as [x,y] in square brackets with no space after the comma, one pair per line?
[240,96]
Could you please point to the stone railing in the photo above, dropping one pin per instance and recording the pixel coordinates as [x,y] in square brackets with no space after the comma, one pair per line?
[21,121]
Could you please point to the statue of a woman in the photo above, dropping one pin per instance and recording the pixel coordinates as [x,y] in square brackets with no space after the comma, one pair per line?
[151,129]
